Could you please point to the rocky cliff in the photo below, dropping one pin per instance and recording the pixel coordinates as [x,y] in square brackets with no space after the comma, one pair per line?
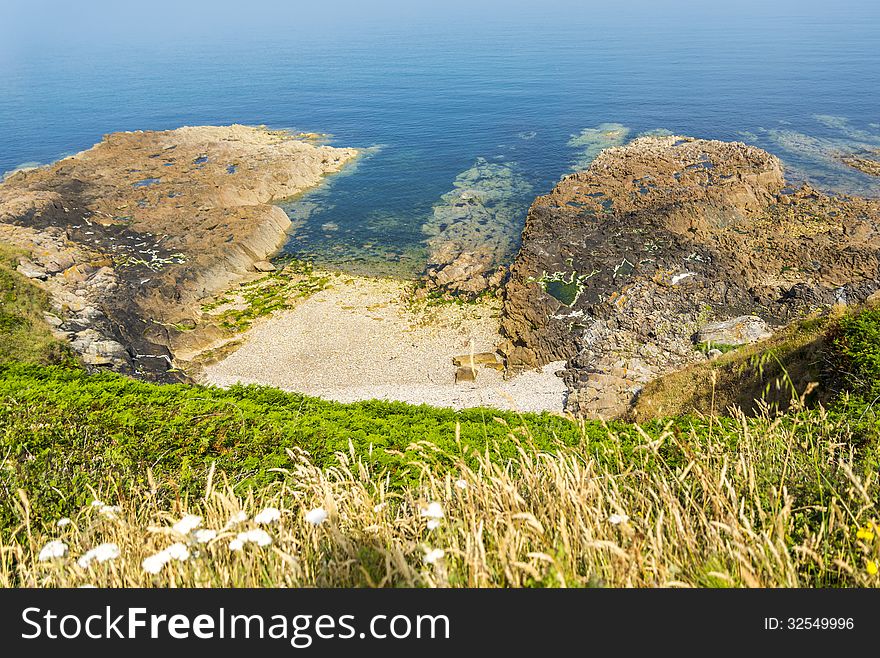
[130,236]
[670,248]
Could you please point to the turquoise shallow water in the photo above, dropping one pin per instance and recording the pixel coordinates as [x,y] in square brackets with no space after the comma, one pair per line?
[527,89]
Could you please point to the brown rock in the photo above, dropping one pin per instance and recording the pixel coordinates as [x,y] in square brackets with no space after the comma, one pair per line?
[77,273]
[465,374]
[479,359]
[264,266]
[627,261]
[162,219]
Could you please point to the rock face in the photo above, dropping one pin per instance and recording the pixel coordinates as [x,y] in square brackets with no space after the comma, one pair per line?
[622,265]
[743,330]
[131,235]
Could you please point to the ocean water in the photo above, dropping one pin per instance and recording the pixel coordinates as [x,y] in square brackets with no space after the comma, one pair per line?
[435,98]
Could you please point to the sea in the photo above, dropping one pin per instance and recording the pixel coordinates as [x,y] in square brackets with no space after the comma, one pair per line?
[502,97]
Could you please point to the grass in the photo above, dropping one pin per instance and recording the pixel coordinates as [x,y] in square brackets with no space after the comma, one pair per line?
[294,280]
[773,371]
[24,334]
[784,495]
[110,425]
[734,514]
[708,346]
[856,340]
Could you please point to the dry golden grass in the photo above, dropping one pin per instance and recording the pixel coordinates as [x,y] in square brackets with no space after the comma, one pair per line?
[744,376]
[725,516]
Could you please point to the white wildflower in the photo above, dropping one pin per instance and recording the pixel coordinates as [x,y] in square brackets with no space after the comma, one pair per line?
[187,524]
[617,519]
[155,563]
[461,484]
[54,550]
[178,551]
[268,515]
[102,553]
[110,511]
[317,516]
[432,556]
[204,536]
[63,522]
[380,507]
[238,517]
[433,511]
[258,537]
[433,524]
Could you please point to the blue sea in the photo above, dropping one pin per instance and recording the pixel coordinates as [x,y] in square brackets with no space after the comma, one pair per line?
[436,93]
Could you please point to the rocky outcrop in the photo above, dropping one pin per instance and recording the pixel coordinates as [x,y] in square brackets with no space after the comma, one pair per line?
[867,162]
[622,265]
[130,236]
[743,330]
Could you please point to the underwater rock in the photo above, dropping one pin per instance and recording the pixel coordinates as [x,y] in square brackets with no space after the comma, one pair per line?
[622,264]
[867,163]
[842,159]
[474,229]
[590,142]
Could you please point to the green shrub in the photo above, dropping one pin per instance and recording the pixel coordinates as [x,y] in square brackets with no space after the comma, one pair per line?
[63,430]
[857,340]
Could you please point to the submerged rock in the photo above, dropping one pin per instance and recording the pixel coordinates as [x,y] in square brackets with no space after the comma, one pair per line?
[590,142]
[623,264]
[474,229]
[867,163]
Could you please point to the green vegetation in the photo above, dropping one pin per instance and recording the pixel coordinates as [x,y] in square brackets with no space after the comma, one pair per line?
[24,334]
[857,341]
[708,346]
[785,494]
[109,424]
[294,280]
[750,502]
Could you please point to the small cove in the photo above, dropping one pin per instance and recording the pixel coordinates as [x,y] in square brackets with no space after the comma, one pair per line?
[533,92]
